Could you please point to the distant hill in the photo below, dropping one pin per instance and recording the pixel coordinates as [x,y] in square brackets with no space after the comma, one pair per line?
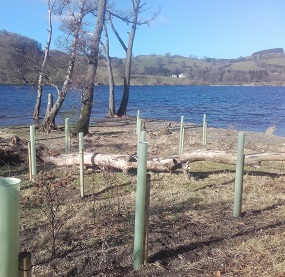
[269,53]
[21,56]
[266,67]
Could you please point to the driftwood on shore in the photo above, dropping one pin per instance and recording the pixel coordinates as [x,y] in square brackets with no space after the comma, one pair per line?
[14,150]
[253,159]
[127,163]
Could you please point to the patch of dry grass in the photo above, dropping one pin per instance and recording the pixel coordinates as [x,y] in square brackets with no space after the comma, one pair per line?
[192,231]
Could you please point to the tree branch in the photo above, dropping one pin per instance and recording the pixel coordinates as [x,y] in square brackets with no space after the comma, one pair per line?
[117,34]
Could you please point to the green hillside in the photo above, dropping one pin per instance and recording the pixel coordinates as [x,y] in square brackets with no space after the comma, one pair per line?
[20,58]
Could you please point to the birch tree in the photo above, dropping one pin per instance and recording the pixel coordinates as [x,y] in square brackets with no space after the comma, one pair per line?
[108,62]
[137,9]
[51,5]
[76,23]
[88,91]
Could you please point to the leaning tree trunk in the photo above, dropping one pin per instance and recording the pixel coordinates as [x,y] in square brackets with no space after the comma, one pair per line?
[111,111]
[108,62]
[36,114]
[86,107]
[88,92]
[49,104]
[125,99]
[49,120]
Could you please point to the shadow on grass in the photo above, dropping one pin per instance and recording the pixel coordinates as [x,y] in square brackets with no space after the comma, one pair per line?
[167,254]
[258,212]
[213,185]
[111,133]
[107,189]
[205,174]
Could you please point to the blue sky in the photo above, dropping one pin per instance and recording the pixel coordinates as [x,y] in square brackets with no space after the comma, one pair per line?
[212,28]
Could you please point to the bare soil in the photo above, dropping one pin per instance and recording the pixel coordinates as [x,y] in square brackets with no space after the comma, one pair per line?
[192,231]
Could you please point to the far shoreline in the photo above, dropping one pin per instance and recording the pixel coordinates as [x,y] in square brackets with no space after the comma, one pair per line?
[131,120]
[171,85]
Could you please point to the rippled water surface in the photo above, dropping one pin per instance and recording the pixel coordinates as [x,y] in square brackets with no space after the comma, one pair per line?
[242,108]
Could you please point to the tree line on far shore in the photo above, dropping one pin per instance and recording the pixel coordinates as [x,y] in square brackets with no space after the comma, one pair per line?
[266,67]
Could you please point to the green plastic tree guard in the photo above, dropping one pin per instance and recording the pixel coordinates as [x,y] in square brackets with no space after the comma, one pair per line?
[67,136]
[239,176]
[140,206]
[143,136]
[204,131]
[9,226]
[139,129]
[138,118]
[81,160]
[181,136]
[33,151]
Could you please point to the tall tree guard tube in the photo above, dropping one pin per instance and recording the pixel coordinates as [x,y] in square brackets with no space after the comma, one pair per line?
[9,226]
[67,136]
[239,176]
[139,129]
[33,151]
[146,220]
[140,206]
[81,161]
[181,137]
[138,118]
[204,131]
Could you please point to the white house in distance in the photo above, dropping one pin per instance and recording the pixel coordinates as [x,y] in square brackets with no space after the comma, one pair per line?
[181,75]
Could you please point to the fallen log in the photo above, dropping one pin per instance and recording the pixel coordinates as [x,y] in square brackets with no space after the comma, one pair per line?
[127,163]
[122,162]
[253,160]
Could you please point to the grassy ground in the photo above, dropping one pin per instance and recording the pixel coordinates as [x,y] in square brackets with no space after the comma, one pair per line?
[191,231]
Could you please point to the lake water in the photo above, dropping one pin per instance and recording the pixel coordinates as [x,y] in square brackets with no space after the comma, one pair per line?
[241,108]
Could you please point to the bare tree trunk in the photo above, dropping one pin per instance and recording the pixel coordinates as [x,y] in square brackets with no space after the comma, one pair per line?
[36,114]
[112,111]
[136,10]
[49,120]
[127,78]
[88,92]
[49,104]
[108,62]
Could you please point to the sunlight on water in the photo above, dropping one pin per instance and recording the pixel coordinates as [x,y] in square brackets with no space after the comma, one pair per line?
[242,108]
